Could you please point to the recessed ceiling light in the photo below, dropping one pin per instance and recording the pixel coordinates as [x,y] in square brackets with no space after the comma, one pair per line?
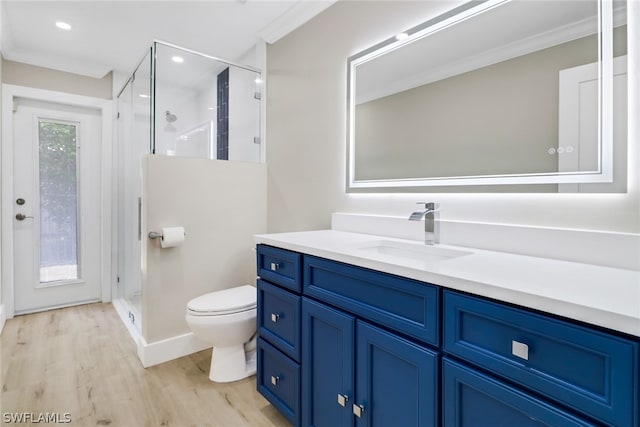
[63,25]
[402,36]
[178,59]
[258,80]
[143,95]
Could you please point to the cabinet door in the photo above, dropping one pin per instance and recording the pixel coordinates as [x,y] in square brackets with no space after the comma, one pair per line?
[473,399]
[278,380]
[327,366]
[396,380]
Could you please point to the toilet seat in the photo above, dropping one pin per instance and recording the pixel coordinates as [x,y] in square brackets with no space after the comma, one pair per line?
[227,301]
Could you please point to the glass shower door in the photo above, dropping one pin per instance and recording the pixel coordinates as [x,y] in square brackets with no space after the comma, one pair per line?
[134,116]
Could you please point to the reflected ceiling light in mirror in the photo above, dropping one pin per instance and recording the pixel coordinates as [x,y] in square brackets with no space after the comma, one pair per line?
[143,95]
[177,59]
[258,80]
[63,25]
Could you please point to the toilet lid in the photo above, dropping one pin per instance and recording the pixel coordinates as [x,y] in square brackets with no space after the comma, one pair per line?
[227,301]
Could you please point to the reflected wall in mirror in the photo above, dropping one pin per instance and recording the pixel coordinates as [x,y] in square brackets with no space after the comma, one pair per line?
[495,94]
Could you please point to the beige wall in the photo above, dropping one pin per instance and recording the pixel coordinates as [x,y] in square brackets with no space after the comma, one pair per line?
[17,73]
[306,131]
[221,205]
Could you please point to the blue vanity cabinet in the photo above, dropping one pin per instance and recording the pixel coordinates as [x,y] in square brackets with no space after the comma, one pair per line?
[327,365]
[473,399]
[365,354]
[357,374]
[280,266]
[345,346]
[397,380]
[407,306]
[278,373]
[590,372]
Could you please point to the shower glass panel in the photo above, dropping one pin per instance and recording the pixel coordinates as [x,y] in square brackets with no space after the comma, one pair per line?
[134,141]
[177,102]
[205,107]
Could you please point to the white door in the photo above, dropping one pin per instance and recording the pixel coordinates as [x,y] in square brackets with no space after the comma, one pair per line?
[56,215]
[578,142]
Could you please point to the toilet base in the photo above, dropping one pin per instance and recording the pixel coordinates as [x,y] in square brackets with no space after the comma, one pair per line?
[231,364]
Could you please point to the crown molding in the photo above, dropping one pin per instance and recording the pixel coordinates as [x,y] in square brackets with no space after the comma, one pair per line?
[293,18]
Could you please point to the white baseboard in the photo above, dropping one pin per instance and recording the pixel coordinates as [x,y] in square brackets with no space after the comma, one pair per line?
[169,349]
[159,351]
[3,317]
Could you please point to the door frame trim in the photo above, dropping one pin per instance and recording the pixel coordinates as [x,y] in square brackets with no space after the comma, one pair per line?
[9,92]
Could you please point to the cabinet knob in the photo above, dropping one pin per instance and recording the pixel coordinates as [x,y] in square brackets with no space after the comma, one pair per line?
[275,380]
[275,317]
[358,410]
[275,266]
[342,400]
[520,350]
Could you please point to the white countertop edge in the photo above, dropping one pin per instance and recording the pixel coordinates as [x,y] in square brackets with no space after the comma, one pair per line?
[618,321]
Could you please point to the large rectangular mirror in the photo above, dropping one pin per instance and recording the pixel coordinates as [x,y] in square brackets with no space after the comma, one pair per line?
[493,94]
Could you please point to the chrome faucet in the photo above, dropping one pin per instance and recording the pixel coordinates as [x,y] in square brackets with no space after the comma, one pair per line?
[431,222]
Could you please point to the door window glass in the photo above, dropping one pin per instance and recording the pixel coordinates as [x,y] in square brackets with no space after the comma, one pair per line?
[58,167]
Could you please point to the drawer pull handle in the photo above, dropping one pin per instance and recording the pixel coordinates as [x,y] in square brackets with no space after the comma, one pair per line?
[358,410]
[275,317]
[275,266]
[342,400]
[520,350]
[275,380]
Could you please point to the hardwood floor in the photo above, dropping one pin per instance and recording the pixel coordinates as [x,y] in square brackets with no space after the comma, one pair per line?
[82,361]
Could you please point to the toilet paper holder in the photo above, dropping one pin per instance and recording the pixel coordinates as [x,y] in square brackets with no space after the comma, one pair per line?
[156,235]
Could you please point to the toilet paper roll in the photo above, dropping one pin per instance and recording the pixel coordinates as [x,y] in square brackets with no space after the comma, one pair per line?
[171,237]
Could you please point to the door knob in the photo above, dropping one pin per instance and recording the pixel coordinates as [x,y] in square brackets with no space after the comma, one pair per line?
[22,217]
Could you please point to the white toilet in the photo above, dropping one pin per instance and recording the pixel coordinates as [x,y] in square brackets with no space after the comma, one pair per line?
[227,320]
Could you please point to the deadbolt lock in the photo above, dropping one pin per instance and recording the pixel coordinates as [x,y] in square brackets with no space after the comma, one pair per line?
[20,201]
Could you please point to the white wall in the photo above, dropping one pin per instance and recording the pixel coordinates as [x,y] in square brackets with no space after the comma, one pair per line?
[221,205]
[306,129]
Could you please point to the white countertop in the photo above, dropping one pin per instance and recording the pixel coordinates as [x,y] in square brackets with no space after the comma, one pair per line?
[603,296]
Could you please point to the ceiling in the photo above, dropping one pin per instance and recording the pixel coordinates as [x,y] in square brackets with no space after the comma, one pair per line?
[114,35]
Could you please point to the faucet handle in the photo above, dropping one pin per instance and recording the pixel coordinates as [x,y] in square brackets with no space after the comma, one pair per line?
[429,205]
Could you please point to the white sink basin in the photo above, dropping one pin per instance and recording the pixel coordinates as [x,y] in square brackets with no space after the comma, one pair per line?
[416,251]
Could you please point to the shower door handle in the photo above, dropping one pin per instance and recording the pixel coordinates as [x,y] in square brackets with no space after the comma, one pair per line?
[140,218]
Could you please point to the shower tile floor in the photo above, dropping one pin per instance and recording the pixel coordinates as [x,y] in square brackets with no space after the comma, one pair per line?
[82,362]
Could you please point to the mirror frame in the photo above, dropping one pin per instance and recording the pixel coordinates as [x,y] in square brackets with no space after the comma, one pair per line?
[604,174]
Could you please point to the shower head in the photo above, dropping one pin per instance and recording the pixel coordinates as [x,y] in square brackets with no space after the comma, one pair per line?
[170,118]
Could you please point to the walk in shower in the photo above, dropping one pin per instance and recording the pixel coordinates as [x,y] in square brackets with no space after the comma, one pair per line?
[177,102]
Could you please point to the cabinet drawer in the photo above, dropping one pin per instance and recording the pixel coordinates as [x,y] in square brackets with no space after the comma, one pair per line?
[279,318]
[405,305]
[280,266]
[278,381]
[588,370]
[472,399]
